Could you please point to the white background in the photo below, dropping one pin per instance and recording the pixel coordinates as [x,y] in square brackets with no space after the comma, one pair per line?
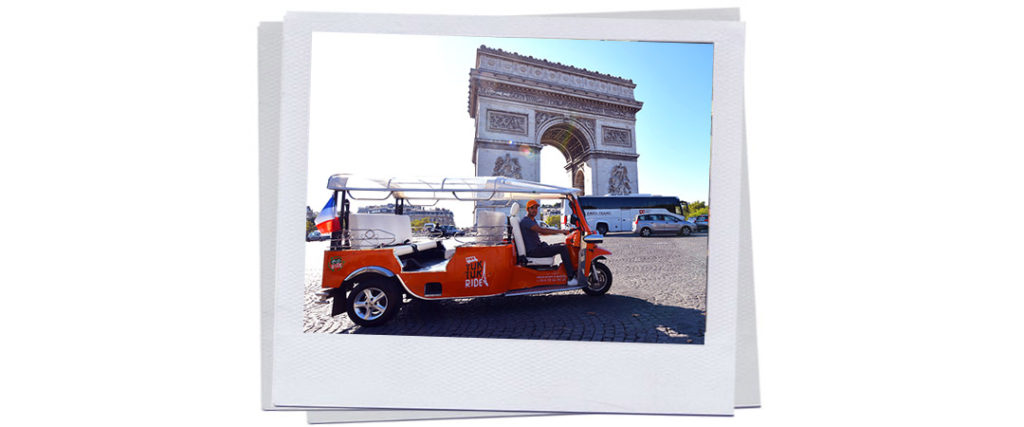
[885,149]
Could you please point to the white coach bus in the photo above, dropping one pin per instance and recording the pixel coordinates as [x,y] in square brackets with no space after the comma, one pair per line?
[616,213]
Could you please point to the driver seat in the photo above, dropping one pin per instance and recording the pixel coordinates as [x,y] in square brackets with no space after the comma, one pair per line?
[517,237]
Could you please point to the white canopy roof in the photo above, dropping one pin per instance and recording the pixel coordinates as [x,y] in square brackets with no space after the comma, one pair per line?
[497,188]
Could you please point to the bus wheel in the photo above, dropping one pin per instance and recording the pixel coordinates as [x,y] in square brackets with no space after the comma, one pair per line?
[685,231]
[602,228]
[373,302]
[646,232]
[599,281]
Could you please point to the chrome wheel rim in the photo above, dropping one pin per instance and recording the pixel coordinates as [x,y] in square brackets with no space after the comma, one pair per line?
[370,304]
[645,232]
[597,280]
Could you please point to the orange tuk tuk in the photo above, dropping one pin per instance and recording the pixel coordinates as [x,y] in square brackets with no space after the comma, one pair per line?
[376,261]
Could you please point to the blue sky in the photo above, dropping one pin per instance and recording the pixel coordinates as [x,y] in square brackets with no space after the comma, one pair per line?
[397,105]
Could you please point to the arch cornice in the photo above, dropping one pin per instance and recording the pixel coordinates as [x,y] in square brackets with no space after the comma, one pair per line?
[547,97]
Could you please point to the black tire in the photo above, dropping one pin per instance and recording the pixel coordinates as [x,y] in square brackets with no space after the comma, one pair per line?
[645,232]
[378,290]
[599,281]
[685,231]
[602,229]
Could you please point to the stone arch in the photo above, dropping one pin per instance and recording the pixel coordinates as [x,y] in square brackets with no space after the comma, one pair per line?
[569,136]
[579,181]
[521,104]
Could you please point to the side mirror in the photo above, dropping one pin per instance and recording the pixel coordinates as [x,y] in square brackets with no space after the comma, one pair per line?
[593,238]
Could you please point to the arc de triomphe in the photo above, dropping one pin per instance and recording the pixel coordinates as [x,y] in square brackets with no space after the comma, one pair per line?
[522,103]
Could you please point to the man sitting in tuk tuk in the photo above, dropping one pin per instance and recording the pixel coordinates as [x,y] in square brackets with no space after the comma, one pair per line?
[535,248]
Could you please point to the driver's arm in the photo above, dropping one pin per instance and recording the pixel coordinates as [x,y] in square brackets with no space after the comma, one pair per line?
[546,231]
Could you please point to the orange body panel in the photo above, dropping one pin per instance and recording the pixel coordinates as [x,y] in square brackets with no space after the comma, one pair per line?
[339,264]
[473,271]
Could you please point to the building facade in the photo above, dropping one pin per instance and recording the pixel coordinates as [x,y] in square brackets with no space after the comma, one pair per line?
[439,216]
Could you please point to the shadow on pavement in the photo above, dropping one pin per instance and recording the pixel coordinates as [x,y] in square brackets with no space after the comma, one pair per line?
[570,316]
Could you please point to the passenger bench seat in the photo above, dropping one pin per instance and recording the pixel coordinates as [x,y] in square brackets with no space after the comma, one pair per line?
[520,247]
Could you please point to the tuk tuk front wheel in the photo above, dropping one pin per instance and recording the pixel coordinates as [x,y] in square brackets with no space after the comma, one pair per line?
[599,281]
[373,302]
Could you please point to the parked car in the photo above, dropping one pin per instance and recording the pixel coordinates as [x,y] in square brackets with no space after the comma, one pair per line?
[648,224]
[701,221]
[449,231]
[315,236]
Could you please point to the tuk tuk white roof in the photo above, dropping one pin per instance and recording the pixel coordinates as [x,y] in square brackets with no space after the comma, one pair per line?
[473,188]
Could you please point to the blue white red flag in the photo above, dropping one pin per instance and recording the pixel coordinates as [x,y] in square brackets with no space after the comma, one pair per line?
[328,222]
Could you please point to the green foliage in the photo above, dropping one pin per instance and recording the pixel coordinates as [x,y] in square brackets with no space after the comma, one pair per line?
[310,217]
[418,223]
[553,220]
[695,208]
[701,211]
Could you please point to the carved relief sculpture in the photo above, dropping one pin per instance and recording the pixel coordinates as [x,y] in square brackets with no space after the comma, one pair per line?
[553,100]
[557,77]
[543,116]
[508,166]
[500,121]
[616,136]
[619,181]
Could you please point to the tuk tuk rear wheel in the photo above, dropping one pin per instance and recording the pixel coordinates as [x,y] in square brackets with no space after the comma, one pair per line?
[373,302]
[599,281]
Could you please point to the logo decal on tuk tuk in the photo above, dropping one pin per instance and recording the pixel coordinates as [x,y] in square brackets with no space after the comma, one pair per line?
[336,263]
[476,273]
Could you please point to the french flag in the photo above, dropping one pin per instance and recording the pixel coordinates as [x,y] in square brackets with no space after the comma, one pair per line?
[328,222]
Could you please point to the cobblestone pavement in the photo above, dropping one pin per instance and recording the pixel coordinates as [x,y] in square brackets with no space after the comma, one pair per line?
[658,295]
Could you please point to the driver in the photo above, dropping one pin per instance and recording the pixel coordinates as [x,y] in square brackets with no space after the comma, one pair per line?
[538,249]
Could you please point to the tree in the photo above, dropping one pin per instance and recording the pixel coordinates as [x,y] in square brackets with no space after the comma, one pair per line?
[417,224]
[553,220]
[310,216]
[695,208]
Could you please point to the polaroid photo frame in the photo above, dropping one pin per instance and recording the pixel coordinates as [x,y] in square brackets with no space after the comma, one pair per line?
[747,383]
[296,382]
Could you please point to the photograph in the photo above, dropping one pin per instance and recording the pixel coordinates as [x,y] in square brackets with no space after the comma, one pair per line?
[509,188]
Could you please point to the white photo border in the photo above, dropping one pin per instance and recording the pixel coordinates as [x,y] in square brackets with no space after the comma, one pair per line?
[502,374]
